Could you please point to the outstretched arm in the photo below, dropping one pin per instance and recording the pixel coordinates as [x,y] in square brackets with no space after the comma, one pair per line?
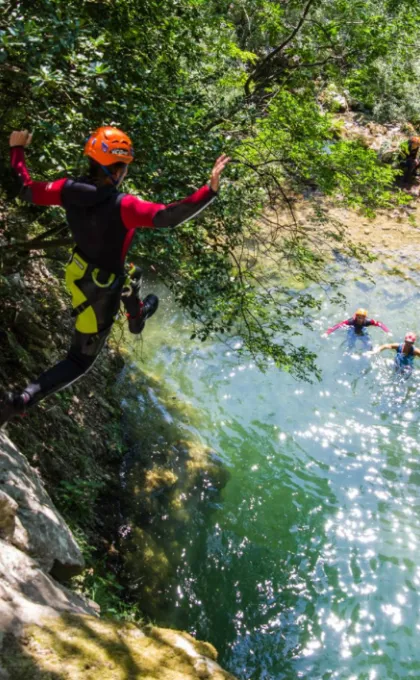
[416,352]
[40,193]
[136,213]
[379,324]
[392,345]
[337,326]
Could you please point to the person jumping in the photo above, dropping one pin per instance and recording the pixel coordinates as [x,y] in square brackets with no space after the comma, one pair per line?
[103,222]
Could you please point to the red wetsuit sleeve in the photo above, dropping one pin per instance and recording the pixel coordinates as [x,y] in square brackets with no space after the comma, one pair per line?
[137,214]
[338,325]
[40,193]
[379,324]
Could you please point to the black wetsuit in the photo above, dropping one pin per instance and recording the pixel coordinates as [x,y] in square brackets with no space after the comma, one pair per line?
[103,223]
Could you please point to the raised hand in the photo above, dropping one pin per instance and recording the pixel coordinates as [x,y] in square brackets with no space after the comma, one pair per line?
[218,168]
[20,138]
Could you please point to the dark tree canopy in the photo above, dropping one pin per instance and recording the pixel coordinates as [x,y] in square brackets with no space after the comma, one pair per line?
[189,79]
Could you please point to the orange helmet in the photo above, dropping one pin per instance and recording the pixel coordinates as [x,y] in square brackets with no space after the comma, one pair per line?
[108,145]
[360,312]
[414,142]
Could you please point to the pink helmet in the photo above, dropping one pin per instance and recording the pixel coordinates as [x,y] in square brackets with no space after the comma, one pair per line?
[410,337]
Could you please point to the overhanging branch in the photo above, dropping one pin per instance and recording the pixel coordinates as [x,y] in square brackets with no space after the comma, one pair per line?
[278,49]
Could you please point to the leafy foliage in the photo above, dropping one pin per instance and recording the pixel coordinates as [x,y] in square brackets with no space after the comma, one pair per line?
[188,79]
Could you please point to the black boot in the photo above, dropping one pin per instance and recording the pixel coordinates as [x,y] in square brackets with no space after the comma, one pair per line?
[150,305]
[146,309]
[11,404]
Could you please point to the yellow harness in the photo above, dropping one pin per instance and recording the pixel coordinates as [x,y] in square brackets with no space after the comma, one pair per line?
[79,269]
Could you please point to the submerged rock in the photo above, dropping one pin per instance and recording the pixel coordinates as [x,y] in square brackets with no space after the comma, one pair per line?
[171,480]
[147,570]
[40,531]
[149,486]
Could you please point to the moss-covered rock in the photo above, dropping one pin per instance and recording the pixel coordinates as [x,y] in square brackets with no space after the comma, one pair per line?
[85,648]
[148,486]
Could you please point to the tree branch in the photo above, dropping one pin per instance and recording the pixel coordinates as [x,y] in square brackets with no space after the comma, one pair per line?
[278,49]
[36,244]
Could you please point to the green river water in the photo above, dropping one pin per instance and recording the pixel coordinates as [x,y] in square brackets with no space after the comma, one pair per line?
[307,564]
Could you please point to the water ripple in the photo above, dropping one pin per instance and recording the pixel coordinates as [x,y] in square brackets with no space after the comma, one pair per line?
[309,567]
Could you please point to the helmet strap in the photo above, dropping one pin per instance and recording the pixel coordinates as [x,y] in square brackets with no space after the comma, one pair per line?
[114,181]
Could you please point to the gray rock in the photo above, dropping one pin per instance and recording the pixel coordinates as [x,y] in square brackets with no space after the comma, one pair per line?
[40,530]
[8,508]
[27,594]
[334,99]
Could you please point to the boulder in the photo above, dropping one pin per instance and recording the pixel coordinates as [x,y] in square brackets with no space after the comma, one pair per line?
[201,655]
[27,593]
[8,508]
[39,530]
[333,99]
[75,646]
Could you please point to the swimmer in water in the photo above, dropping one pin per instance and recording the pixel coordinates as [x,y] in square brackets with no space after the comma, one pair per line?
[406,351]
[357,328]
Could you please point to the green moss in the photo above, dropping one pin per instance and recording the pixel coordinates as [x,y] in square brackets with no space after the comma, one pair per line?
[85,648]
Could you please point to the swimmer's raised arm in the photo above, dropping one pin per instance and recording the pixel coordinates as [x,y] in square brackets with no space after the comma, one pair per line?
[392,345]
[379,324]
[342,324]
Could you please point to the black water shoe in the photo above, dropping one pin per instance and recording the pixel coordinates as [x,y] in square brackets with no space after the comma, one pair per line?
[146,309]
[150,305]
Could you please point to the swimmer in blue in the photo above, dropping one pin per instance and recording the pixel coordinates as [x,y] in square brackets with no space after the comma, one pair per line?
[406,351]
[357,326]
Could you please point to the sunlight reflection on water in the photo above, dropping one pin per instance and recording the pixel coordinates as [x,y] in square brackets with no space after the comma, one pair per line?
[309,567]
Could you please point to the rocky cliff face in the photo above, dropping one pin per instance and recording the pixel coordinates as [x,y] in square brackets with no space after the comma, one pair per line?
[46,630]
[29,520]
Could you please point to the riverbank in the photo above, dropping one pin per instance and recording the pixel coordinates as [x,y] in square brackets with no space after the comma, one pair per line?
[382,236]
[388,231]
